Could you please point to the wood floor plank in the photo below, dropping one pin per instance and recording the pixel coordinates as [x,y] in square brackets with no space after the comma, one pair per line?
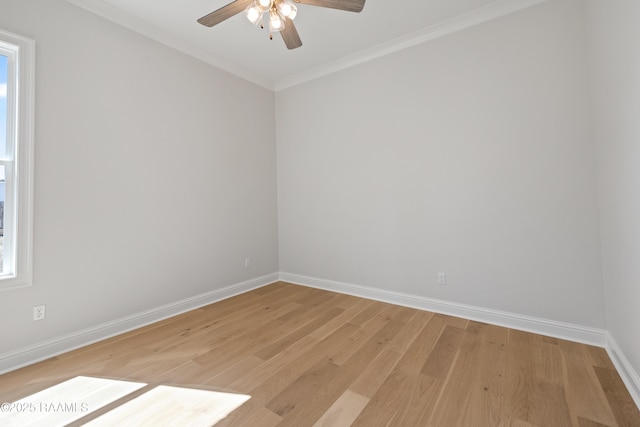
[307,356]
[548,406]
[520,423]
[441,358]
[599,357]
[259,335]
[369,313]
[279,380]
[392,398]
[305,387]
[404,378]
[221,357]
[344,410]
[184,374]
[456,322]
[349,313]
[520,380]
[548,362]
[240,366]
[461,380]
[368,383]
[488,387]
[261,417]
[256,376]
[321,398]
[583,422]
[584,392]
[362,335]
[414,325]
[624,409]
[279,345]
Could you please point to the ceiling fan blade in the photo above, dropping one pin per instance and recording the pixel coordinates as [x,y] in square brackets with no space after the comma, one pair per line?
[225,12]
[348,5]
[290,35]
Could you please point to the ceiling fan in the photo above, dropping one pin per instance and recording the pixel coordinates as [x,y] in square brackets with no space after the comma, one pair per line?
[280,14]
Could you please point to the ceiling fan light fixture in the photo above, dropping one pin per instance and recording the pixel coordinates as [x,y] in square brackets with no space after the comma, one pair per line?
[280,15]
[287,9]
[276,23]
[254,14]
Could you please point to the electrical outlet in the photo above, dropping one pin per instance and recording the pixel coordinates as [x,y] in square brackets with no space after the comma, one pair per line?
[442,279]
[38,312]
[247,262]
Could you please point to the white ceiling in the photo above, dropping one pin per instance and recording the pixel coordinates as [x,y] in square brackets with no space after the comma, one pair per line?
[332,39]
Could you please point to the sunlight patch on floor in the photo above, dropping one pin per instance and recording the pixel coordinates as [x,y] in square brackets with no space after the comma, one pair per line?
[172,406]
[78,397]
[65,402]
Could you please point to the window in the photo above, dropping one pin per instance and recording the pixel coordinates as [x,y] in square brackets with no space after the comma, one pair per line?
[17,60]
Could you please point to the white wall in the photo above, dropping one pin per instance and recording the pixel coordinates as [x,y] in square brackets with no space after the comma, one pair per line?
[150,187]
[615,63]
[470,155]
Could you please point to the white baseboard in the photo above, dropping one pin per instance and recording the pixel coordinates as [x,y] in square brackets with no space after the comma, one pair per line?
[12,360]
[627,373]
[552,328]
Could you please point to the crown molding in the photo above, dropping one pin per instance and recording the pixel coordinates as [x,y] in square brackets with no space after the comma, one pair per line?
[461,22]
[486,13]
[133,23]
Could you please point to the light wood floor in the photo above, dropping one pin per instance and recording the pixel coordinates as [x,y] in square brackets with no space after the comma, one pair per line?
[308,357]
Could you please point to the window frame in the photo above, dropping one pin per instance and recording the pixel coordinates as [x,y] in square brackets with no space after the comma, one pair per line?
[18,219]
